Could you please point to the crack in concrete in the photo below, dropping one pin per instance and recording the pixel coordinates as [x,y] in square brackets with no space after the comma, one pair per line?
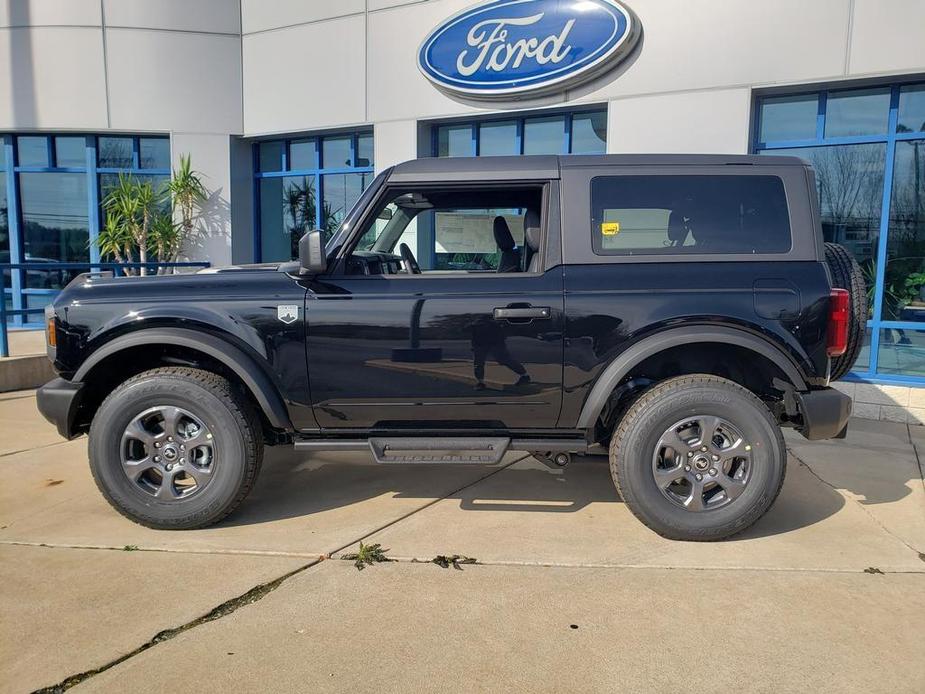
[226,608]
[876,520]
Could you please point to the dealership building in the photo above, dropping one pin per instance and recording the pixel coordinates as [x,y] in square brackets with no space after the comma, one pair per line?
[289,108]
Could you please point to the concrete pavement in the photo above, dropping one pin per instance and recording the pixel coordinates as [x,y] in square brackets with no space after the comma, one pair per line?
[826,592]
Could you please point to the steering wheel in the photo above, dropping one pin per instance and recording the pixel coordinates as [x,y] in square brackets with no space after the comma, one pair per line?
[408,260]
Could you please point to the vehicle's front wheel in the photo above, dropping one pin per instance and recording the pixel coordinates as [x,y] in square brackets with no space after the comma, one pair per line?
[175,448]
[698,458]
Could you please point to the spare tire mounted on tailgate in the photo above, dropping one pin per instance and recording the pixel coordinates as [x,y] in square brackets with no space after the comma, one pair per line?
[846,274]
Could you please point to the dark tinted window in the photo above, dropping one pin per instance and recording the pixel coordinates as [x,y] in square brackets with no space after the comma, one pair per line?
[690,214]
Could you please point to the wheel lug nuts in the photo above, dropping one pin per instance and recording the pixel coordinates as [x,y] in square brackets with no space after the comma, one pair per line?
[170,438]
[690,454]
[748,448]
[157,459]
[712,471]
[699,477]
[703,448]
[687,467]
[715,457]
[157,445]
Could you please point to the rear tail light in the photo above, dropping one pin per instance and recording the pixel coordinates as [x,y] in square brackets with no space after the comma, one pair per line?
[837,337]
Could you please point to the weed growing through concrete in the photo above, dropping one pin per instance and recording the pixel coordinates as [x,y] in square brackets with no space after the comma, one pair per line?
[367,555]
[454,560]
[130,548]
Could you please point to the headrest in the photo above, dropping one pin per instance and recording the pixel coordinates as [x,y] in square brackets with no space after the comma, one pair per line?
[532,230]
[503,236]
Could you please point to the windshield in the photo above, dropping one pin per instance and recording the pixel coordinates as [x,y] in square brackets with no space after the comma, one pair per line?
[343,231]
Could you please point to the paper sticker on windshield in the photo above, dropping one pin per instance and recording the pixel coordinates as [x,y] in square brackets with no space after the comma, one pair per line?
[287,313]
[610,228]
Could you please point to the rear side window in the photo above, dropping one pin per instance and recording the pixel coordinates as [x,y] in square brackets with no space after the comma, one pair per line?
[689,214]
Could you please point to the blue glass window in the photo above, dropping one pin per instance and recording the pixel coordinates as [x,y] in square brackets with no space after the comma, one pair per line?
[589,133]
[32,151]
[154,153]
[868,152]
[788,118]
[582,132]
[857,112]
[303,154]
[58,187]
[115,152]
[454,141]
[911,109]
[71,152]
[302,185]
[336,152]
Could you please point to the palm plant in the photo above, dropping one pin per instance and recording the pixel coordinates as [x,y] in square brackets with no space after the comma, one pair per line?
[186,191]
[130,206]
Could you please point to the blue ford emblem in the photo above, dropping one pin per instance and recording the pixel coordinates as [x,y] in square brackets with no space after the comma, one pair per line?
[511,48]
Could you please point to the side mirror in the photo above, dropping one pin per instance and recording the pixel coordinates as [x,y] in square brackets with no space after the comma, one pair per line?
[311,253]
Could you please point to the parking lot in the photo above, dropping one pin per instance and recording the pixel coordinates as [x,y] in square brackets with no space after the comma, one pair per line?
[568,593]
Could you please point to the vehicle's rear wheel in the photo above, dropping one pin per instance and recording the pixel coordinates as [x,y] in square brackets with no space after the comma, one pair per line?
[175,448]
[847,274]
[698,458]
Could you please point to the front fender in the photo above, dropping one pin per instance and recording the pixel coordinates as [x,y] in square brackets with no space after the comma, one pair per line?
[244,366]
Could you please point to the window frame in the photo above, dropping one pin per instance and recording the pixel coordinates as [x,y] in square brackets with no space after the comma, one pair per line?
[317,173]
[519,120]
[549,191]
[876,324]
[91,169]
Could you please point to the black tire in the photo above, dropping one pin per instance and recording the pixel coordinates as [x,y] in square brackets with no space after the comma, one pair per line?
[846,274]
[235,447]
[639,434]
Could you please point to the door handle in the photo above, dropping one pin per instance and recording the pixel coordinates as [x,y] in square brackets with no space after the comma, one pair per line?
[522,313]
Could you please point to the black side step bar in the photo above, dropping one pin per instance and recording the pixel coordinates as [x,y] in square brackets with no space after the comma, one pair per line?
[453,451]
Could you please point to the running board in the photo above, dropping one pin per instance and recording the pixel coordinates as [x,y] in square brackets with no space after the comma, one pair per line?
[451,451]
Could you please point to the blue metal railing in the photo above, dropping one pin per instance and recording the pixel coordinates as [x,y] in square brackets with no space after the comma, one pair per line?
[117,269]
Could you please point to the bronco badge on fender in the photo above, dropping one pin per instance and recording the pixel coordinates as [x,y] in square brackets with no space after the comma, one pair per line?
[519,48]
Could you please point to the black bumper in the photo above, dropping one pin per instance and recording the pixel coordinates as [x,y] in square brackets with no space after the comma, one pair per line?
[58,401]
[825,413]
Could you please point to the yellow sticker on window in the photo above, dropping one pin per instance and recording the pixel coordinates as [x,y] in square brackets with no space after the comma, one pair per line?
[610,228]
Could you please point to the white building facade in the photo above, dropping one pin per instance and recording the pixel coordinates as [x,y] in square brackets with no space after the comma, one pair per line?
[289,108]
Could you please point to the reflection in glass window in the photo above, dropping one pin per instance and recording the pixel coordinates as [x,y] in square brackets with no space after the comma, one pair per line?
[270,155]
[911,109]
[303,154]
[589,133]
[154,153]
[849,179]
[4,222]
[109,181]
[901,352]
[287,211]
[32,151]
[71,152]
[498,138]
[904,282]
[340,192]
[788,118]
[544,135]
[454,141]
[365,150]
[857,112]
[55,224]
[114,152]
[335,152]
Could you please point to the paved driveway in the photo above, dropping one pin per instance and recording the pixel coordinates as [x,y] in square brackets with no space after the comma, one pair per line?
[570,592]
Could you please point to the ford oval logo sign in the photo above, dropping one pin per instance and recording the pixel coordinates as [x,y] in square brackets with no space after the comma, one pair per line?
[518,48]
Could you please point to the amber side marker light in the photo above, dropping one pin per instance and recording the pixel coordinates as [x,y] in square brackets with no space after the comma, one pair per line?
[50,336]
[837,335]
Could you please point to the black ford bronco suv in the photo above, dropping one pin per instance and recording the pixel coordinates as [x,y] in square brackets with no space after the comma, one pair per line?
[676,311]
